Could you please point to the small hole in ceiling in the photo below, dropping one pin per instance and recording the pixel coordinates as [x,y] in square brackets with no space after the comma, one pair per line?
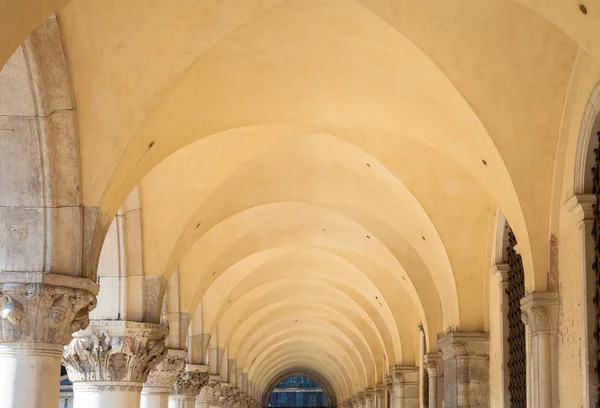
[583,9]
[150,145]
[229,301]
[368,164]
[198,224]
[323,229]
[376,297]
[423,237]
[484,162]
[403,278]
[296,320]
[368,237]
[214,273]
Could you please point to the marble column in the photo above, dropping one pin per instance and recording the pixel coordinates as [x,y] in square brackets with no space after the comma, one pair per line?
[38,314]
[435,374]
[379,395]
[110,360]
[540,315]
[187,385]
[466,369]
[156,389]
[405,382]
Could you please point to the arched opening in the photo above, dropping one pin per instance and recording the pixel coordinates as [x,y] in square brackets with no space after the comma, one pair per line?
[298,391]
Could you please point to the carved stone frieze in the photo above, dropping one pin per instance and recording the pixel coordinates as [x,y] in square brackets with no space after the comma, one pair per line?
[39,312]
[163,374]
[115,351]
[189,383]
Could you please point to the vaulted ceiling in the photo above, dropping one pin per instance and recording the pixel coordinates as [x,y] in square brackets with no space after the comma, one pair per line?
[326,175]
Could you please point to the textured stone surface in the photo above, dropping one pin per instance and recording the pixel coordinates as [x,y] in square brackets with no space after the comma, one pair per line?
[115,351]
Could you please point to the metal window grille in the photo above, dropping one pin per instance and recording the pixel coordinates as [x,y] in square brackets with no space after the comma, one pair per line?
[517,358]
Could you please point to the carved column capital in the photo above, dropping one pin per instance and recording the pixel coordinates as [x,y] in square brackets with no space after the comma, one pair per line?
[380,390]
[463,344]
[36,311]
[115,351]
[189,382]
[163,375]
[539,312]
[210,391]
[434,364]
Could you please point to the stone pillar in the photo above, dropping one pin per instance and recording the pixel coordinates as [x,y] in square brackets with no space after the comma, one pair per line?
[389,394]
[435,373]
[370,399]
[38,314]
[187,385]
[405,382]
[155,393]
[379,395]
[109,362]
[500,272]
[582,208]
[362,399]
[466,369]
[540,315]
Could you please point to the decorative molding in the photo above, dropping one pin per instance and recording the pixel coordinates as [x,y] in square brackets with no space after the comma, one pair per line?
[163,375]
[475,344]
[581,206]
[102,387]
[39,312]
[539,312]
[434,364]
[115,351]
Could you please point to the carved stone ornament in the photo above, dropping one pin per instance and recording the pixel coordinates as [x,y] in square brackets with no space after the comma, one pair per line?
[38,312]
[434,364]
[115,351]
[380,390]
[208,392]
[163,375]
[539,312]
[189,383]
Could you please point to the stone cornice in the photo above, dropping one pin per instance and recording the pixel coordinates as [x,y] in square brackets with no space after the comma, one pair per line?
[115,351]
[39,312]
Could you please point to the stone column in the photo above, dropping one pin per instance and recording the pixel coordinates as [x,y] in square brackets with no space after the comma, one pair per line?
[187,386]
[435,373]
[155,393]
[362,400]
[379,395]
[389,394]
[109,362]
[38,314]
[500,272]
[370,399]
[405,382]
[540,315]
[582,208]
[466,369]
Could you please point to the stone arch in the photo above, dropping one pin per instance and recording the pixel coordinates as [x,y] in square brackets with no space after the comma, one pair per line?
[322,381]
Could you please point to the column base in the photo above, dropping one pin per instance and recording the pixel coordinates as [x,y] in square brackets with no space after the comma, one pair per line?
[101,394]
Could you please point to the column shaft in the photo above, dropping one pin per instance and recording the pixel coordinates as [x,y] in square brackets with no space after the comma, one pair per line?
[434,365]
[106,394]
[25,370]
[154,397]
[182,401]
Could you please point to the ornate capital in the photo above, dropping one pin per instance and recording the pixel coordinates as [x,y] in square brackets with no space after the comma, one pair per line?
[115,351]
[210,391]
[163,375]
[380,390]
[389,383]
[189,383]
[539,312]
[434,364]
[39,312]
[463,344]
